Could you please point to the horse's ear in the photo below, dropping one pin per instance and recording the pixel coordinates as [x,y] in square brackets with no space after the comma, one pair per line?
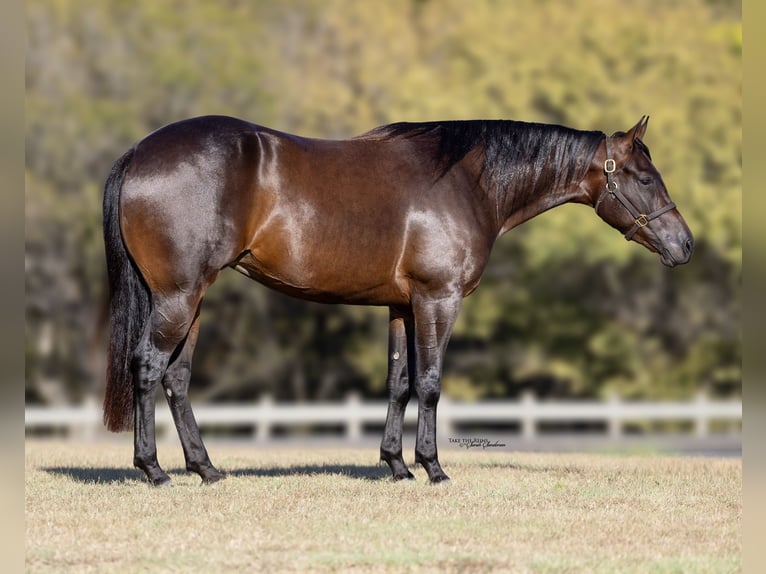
[637,132]
[623,141]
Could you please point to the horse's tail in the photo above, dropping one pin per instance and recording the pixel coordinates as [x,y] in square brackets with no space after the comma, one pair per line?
[129,307]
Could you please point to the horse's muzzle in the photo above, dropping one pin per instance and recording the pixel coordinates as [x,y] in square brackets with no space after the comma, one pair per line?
[678,251]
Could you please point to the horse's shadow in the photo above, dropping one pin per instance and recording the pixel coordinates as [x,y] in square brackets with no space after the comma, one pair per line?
[106,475]
[357,471]
[95,475]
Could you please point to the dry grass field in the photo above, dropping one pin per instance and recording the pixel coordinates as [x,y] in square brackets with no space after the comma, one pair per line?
[327,510]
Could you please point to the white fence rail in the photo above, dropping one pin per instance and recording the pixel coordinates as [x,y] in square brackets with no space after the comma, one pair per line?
[353,414]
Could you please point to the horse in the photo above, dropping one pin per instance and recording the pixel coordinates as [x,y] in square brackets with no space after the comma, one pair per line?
[403,216]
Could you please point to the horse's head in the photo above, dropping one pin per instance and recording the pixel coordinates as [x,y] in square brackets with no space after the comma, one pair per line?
[631,197]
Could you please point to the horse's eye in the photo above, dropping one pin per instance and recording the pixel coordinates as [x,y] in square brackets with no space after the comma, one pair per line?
[646,180]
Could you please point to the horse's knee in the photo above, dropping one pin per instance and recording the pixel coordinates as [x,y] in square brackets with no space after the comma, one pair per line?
[429,388]
[399,390]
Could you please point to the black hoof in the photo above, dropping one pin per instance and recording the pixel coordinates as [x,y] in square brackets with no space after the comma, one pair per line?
[402,476]
[153,472]
[433,468]
[399,470]
[161,481]
[213,478]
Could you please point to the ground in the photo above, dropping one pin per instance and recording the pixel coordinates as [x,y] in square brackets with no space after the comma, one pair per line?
[335,509]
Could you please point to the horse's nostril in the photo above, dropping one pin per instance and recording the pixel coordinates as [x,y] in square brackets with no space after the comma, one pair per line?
[688,246]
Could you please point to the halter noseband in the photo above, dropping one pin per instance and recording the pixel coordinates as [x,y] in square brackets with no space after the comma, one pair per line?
[639,219]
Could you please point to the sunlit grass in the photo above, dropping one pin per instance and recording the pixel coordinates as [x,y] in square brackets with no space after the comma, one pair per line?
[336,509]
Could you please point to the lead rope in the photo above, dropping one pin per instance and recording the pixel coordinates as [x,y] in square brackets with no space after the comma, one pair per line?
[639,219]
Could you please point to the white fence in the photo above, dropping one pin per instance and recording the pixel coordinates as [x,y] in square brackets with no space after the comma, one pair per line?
[353,414]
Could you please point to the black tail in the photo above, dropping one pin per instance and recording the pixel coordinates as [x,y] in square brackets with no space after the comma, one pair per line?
[129,307]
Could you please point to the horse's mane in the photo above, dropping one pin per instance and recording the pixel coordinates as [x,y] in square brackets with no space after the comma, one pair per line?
[519,157]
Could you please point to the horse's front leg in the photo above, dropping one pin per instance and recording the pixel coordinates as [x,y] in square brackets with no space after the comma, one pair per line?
[398,383]
[434,319]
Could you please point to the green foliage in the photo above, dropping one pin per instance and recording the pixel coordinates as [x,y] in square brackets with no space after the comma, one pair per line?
[566,306]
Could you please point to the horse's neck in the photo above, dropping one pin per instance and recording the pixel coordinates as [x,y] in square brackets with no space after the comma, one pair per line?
[513,210]
[546,170]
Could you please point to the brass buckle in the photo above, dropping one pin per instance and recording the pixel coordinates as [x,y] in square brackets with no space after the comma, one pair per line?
[610,166]
[642,221]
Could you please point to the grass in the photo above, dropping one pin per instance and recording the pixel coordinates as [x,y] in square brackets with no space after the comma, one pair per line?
[326,510]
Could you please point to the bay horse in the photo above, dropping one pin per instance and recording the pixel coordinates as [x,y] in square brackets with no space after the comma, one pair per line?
[404,216]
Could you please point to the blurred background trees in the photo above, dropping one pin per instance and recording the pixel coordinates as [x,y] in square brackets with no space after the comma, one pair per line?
[566,306]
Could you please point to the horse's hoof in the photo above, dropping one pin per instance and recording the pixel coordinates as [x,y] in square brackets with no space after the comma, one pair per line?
[408,476]
[213,478]
[161,482]
[440,479]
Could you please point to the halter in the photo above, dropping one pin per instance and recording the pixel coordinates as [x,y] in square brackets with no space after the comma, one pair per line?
[639,219]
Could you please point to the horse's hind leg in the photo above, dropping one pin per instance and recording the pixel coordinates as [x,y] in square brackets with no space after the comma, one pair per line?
[166,328]
[176,386]
[398,384]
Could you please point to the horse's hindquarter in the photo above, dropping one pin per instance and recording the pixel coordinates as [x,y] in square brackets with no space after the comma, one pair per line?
[179,221]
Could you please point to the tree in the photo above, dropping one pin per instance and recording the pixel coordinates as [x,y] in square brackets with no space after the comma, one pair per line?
[565,306]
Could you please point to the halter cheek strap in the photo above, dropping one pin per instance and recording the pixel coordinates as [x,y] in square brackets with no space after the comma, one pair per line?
[639,219]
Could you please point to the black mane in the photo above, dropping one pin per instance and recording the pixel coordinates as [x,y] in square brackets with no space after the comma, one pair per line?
[519,157]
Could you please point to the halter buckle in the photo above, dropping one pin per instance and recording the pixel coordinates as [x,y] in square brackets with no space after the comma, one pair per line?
[610,166]
[642,221]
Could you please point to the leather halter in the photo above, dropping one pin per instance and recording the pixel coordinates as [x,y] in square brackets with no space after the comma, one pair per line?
[639,219]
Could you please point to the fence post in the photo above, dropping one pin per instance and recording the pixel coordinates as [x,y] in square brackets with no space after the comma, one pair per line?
[444,421]
[701,422]
[528,416]
[353,419]
[263,424]
[87,430]
[614,420]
